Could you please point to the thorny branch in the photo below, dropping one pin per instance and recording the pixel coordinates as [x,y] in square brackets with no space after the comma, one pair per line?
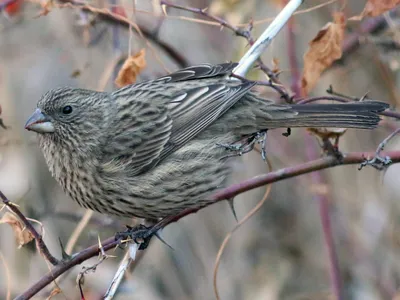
[227,193]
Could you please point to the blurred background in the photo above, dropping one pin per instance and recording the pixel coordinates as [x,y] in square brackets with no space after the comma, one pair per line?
[281,252]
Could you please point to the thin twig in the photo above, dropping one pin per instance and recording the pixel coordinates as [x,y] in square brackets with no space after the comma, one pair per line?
[237,30]
[8,277]
[266,37]
[378,161]
[78,231]
[38,237]
[128,258]
[107,16]
[229,235]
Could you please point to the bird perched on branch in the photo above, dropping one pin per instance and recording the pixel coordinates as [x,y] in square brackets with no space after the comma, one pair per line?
[152,149]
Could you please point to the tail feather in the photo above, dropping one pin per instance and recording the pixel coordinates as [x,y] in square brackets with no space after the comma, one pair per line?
[364,115]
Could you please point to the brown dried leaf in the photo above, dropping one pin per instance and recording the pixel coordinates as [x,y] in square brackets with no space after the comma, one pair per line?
[54,292]
[22,235]
[327,133]
[275,65]
[132,66]
[323,50]
[375,8]
[47,6]
[321,189]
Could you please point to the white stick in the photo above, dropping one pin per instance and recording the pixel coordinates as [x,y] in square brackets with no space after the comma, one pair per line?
[265,39]
[126,261]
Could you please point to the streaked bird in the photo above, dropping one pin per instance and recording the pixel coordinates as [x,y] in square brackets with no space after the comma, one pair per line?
[154,148]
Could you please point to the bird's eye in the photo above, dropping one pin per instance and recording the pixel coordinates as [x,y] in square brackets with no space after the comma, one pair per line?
[67,110]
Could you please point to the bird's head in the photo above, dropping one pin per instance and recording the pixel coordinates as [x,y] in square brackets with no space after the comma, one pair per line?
[71,117]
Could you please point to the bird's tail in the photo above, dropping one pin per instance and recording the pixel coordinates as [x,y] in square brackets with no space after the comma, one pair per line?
[363,115]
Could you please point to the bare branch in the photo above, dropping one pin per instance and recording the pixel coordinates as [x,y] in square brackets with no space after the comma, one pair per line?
[38,237]
[227,193]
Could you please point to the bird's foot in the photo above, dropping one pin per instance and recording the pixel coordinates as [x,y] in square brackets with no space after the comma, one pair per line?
[247,144]
[139,234]
[378,162]
[238,148]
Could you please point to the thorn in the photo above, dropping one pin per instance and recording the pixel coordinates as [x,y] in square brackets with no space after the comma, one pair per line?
[157,235]
[364,97]
[232,207]
[65,256]
[164,9]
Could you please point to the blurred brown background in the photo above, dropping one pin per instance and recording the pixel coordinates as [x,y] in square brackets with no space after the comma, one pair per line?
[280,252]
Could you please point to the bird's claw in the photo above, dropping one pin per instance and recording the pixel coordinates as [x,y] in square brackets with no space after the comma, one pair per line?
[140,234]
[378,162]
[248,145]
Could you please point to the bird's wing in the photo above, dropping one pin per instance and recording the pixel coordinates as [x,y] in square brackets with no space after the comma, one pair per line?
[195,109]
[147,130]
[137,136]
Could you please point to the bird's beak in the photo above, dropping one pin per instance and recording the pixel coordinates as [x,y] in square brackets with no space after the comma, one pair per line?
[39,122]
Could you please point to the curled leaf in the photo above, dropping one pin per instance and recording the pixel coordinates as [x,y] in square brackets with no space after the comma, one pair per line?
[323,50]
[22,235]
[375,8]
[132,67]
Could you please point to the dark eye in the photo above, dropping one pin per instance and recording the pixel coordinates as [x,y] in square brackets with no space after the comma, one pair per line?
[67,110]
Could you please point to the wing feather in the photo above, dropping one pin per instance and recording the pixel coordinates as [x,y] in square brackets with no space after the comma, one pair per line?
[156,118]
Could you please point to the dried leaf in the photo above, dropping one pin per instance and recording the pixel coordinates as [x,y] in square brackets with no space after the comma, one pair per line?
[132,66]
[46,8]
[327,133]
[321,189]
[375,8]
[54,292]
[275,65]
[22,235]
[323,50]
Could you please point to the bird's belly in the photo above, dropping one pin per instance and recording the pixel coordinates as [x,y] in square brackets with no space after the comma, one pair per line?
[186,179]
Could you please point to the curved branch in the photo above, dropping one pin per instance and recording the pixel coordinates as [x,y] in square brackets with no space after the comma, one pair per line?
[106,16]
[38,237]
[227,193]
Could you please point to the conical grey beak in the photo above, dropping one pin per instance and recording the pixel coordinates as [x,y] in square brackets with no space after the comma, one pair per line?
[39,122]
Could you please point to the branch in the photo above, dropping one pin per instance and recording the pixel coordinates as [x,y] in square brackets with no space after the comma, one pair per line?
[227,193]
[109,17]
[38,237]
[368,26]
[237,30]
[265,39]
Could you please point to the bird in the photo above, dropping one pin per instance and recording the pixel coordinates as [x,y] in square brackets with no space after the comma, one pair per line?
[155,148]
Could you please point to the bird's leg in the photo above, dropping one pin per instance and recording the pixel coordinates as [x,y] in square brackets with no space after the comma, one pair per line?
[246,144]
[261,139]
[141,235]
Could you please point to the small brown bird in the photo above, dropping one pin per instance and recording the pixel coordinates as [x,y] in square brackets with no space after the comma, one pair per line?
[152,149]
